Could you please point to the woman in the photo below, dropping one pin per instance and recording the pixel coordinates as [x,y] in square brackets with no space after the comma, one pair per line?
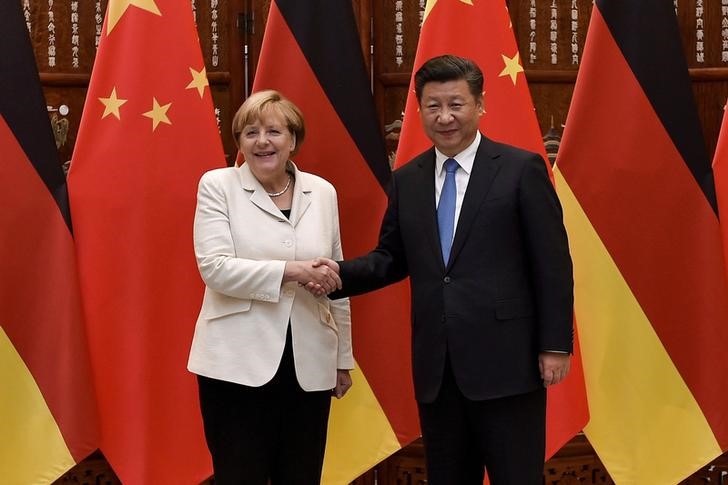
[268,354]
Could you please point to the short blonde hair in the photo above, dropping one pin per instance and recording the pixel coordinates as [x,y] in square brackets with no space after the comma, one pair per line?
[261,103]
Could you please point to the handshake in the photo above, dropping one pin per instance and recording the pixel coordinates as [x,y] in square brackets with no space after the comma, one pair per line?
[320,276]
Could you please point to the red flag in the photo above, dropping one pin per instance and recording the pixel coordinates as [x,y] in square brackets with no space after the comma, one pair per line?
[635,181]
[720,172]
[344,145]
[147,134]
[482,31]
[47,408]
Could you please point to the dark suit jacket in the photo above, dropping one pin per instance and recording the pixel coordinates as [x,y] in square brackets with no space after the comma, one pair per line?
[507,292]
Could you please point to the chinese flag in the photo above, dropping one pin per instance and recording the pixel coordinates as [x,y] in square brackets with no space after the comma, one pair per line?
[147,134]
[47,408]
[720,169]
[482,31]
[651,294]
[302,41]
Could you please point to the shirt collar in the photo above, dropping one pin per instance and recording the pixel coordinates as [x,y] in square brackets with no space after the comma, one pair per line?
[465,158]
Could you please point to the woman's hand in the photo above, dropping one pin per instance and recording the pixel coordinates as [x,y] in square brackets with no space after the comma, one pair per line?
[343,383]
[320,262]
[320,280]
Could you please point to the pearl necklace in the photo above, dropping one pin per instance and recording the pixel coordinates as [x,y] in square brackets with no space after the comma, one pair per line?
[285,189]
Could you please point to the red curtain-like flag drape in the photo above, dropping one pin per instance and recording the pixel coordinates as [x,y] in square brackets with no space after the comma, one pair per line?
[482,31]
[302,41]
[651,296]
[148,132]
[47,408]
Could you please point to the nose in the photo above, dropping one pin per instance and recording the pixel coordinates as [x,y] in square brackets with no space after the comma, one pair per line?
[445,115]
[262,138]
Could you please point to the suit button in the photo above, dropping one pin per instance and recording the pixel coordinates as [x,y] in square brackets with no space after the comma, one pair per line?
[287,243]
[446,279]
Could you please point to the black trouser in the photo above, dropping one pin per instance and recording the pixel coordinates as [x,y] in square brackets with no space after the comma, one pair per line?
[275,431]
[462,437]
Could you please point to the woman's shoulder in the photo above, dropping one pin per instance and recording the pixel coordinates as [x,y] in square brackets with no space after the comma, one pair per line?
[311,181]
[219,174]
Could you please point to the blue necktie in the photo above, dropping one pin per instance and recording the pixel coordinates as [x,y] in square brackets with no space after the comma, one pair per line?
[446,209]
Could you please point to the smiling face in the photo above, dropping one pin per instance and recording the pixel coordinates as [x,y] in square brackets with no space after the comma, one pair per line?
[267,144]
[450,115]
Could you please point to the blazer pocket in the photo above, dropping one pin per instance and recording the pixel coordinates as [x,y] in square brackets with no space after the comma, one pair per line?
[510,309]
[217,305]
[327,318]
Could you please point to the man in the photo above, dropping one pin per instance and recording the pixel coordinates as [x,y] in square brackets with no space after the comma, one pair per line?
[477,227]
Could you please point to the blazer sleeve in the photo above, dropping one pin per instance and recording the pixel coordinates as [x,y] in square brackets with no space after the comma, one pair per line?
[550,262]
[341,309]
[219,267]
[386,264]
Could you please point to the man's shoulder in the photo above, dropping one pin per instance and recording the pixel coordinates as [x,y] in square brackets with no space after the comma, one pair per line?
[416,162]
[496,148]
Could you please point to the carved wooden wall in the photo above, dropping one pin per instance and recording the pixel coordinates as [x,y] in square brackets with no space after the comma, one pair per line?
[550,35]
[65,34]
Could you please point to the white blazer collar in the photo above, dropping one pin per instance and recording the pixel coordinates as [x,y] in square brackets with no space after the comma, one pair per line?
[259,196]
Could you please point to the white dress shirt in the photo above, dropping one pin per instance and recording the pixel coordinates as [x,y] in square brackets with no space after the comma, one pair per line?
[465,160]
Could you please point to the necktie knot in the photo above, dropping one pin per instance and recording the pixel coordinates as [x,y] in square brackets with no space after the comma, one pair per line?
[451,165]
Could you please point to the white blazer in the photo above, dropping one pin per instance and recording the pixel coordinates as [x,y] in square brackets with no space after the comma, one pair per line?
[242,242]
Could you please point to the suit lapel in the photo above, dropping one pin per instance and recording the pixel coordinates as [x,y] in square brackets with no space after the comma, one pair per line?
[301,196]
[258,195]
[481,178]
[426,201]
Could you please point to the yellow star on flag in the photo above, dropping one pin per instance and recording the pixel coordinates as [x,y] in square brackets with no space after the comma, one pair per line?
[117,8]
[112,105]
[513,67]
[199,80]
[158,114]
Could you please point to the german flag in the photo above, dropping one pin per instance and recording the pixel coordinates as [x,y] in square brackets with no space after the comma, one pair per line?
[311,53]
[47,407]
[637,188]
[147,134]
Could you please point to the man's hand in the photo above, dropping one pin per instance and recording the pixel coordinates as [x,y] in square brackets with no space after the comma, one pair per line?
[554,367]
[343,383]
[322,262]
[318,279]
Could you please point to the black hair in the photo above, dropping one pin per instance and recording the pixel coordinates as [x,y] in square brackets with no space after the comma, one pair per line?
[449,68]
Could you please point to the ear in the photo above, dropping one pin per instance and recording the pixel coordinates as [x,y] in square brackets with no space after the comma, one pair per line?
[293,142]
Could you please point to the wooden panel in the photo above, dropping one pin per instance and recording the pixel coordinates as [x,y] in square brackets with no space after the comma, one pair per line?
[64,33]
[702,32]
[551,34]
[65,120]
